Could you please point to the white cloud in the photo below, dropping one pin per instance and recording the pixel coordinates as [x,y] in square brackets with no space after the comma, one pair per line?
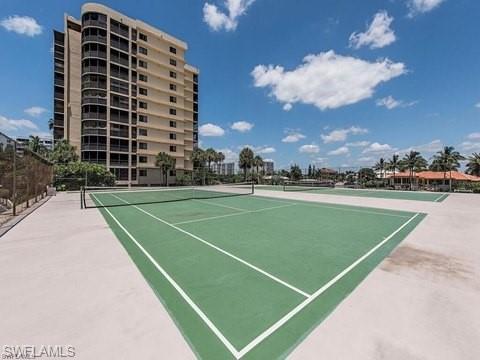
[429,148]
[293,137]
[265,150]
[230,155]
[477,105]
[378,148]
[23,25]
[358,144]
[343,150]
[7,124]
[416,7]
[378,34]
[242,126]
[366,159]
[326,80]
[287,107]
[342,134]
[390,103]
[470,146]
[474,136]
[210,130]
[309,149]
[216,19]
[35,111]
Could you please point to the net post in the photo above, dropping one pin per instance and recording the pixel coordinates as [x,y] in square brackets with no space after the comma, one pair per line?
[81,197]
[253,188]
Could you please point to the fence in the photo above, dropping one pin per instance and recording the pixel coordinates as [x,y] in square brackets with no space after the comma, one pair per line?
[24,176]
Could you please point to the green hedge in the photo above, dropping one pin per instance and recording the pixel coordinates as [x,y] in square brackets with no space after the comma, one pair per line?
[76,174]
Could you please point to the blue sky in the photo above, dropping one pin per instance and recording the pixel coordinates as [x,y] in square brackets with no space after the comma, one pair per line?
[332,82]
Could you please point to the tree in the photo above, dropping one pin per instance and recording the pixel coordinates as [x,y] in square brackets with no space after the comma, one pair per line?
[473,165]
[380,165]
[393,166]
[165,162]
[413,162]
[447,159]
[366,175]
[310,171]
[295,172]
[35,144]
[50,124]
[72,176]
[220,157]
[63,153]
[258,162]
[245,160]
[210,156]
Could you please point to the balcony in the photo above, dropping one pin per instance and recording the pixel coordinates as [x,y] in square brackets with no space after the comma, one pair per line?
[95,54]
[118,163]
[94,115]
[94,69]
[119,148]
[59,82]
[94,147]
[94,131]
[95,38]
[96,23]
[94,100]
[119,133]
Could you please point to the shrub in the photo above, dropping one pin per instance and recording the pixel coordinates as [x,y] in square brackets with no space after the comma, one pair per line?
[76,174]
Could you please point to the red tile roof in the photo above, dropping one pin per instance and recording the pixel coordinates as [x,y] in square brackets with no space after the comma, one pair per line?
[437,175]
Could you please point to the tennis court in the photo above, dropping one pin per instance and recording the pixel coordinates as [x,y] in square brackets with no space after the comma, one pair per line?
[382,194]
[248,276]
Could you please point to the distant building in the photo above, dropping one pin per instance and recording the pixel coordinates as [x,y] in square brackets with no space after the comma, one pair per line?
[224,168]
[268,167]
[22,142]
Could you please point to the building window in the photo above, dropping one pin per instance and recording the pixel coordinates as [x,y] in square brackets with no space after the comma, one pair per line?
[173,74]
[143,91]
[173,99]
[142,118]
[142,64]
[173,124]
[142,146]
[142,77]
[173,148]
[173,87]
[142,172]
[173,50]
[173,62]
[173,136]
[142,104]
[173,112]
[142,37]
[195,78]
[142,50]
[142,132]
[142,159]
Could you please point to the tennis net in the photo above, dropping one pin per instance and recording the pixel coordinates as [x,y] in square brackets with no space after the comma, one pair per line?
[307,185]
[94,197]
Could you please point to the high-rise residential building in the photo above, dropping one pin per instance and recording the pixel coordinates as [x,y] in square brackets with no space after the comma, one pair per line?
[268,167]
[123,93]
[224,168]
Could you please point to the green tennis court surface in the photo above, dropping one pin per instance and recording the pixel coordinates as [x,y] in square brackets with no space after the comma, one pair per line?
[247,276]
[382,194]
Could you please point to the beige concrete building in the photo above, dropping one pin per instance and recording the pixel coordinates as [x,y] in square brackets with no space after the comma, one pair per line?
[123,93]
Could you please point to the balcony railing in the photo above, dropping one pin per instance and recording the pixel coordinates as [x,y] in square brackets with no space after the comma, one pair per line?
[95,38]
[94,147]
[94,69]
[94,85]
[59,82]
[96,23]
[119,148]
[118,163]
[116,133]
[94,100]
[95,53]
[119,45]
[94,131]
[94,115]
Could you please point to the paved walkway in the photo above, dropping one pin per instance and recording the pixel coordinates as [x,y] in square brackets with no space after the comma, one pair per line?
[65,279]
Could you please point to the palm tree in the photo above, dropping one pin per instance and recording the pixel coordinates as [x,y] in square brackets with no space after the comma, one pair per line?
[295,172]
[210,156]
[393,165]
[380,165]
[473,165]
[50,124]
[245,160]
[35,144]
[63,153]
[199,160]
[165,162]
[448,160]
[258,163]
[414,162]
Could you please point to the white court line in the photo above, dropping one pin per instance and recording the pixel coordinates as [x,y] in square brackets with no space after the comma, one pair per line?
[267,274]
[220,205]
[177,287]
[438,199]
[346,208]
[234,214]
[317,293]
